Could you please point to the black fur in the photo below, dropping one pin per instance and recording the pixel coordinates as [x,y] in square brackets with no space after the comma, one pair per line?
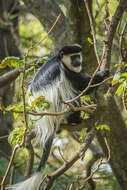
[49,77]
[48,81]
[71,49]
[45,154]
[50,72]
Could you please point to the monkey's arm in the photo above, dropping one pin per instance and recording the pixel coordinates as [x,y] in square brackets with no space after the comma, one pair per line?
[83,80]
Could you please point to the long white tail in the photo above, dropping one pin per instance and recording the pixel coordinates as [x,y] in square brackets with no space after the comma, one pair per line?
[31,183]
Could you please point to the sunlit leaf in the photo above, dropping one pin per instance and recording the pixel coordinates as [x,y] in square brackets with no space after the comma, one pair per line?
[11,62]
[15,136]
[90,40]
[42,60]
[120,89]
[86,116]
[15,115]
[102,127]
[41,103]
[107,95]
[114,82]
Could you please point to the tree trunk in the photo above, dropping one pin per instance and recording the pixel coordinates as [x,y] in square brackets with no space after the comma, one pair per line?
[77,31]
[108,113]
[39,8]
[8,47]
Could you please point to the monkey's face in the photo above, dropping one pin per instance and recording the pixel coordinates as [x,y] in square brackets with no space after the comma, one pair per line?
[73,62]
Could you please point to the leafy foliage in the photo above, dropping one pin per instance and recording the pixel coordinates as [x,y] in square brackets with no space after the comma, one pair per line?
[107,95]
[15,136]
[11,62]
[86,99]
[120,79]
[90,40]
[41,103]
[29,35]
[102,127]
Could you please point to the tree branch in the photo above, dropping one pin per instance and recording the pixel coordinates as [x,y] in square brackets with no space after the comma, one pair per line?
[111,32]
[39,9]
[51,178]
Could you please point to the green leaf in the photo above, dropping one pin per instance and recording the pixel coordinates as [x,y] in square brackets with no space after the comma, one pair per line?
[15,136]
[120,89]
[30,94]
[10,138]
[102,127]
[90,40]
[15,115]
[107,95]
[41,103]
[39,100]
[122,64]
[86,98]
[124,75]
[83,133]
[11,62]
[114,82]
[43,59]
[86,116]
[31,123]
[5,15]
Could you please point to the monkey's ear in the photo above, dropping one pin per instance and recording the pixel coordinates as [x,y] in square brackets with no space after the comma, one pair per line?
[60,54]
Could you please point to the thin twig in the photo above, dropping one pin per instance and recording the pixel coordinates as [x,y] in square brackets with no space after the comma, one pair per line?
[68,109]
[38,43]
[111,32]
[3,137]
[12,75]
[71,186]
[93,30]
[123,101]
[97,168]
[23,141]
[109,151]
[12,175]
[66,166]
[62,155]
[24,111]
[90,176]
[121,41]
[9,166]
[89,86]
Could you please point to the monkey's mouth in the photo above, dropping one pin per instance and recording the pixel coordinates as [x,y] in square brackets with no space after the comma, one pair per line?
[76,63]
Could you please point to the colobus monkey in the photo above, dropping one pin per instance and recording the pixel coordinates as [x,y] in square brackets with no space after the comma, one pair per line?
[57,79]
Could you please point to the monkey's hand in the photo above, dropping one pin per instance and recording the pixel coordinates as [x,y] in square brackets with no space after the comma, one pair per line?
[104,74]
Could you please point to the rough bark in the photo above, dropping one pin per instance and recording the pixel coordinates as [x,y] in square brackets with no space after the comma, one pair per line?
[74,28]
[78,29]
[7,48]
[47,12]
[108,113]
